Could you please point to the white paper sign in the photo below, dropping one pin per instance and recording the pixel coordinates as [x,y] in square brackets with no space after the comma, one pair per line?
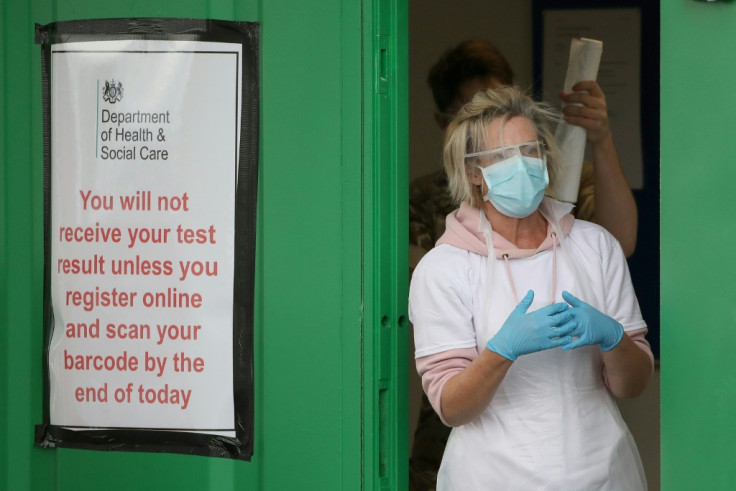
[144,151]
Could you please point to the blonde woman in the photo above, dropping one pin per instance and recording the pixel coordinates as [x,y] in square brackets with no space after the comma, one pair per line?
[525,319]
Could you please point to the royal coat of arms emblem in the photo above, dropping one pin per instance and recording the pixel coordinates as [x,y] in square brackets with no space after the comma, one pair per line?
[113,91]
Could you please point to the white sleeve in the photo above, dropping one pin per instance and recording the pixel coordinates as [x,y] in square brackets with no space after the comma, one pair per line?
[620,299]
[440,306]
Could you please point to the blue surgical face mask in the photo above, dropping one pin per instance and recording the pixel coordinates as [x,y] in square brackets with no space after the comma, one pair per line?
[516,185]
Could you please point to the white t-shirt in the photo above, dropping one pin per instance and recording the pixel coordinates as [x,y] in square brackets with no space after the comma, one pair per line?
[552,423]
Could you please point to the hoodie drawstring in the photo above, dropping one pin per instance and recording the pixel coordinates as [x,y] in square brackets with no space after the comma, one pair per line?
[554,268]
[511,277]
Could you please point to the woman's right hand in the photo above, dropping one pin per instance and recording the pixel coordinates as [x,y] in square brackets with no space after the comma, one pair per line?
[523,333]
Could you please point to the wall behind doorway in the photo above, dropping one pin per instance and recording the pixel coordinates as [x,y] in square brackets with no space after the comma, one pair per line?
[435,26]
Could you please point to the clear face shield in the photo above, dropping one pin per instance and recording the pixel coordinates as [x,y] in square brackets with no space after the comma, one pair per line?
[531,149]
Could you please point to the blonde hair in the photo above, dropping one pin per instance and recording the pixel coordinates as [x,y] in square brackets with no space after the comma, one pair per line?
[467,133]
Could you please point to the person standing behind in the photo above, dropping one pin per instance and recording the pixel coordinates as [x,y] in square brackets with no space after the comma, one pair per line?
[604,197]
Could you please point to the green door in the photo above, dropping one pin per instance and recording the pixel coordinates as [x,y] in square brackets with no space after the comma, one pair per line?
[698,391]
[331,329]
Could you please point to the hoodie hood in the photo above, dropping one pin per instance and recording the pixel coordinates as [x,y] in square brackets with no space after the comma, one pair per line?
[464,229]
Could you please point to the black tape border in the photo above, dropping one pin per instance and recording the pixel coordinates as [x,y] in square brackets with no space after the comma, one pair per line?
[144,440]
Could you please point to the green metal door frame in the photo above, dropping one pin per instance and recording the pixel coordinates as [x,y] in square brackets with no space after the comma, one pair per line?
[331,327]
[698,392]
[385,213]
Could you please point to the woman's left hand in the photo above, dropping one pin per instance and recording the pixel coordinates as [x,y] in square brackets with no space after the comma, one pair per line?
[586,107]
[593,326]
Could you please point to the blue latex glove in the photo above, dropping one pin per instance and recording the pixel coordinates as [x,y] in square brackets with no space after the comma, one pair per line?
[523,333]
[592,326]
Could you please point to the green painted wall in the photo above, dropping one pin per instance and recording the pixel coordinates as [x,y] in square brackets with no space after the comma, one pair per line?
[697,235]
[331,324]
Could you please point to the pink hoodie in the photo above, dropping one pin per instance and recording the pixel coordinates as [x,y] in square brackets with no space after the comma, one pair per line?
[462,229]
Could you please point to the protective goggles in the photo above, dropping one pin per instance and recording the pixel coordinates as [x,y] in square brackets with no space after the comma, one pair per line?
[534,149]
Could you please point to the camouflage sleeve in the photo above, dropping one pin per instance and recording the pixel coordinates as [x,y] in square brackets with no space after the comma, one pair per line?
[429,204]
[585,207]
[420,225]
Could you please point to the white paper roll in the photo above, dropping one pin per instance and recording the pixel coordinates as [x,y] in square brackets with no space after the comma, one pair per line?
[585,57]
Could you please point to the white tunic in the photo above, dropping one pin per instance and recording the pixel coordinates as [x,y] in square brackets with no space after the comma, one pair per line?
[552,424]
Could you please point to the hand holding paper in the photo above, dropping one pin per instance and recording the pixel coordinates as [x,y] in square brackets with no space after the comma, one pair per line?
[586,107]
[585,56]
